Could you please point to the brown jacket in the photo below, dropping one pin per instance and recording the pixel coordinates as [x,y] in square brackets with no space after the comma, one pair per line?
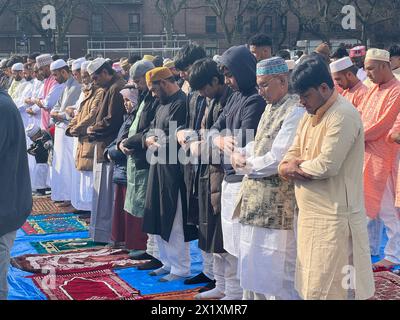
[78,127]
[110,116]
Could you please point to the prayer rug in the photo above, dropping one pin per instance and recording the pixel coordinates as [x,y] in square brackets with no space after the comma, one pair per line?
[175,295]
[89,284]
[44,205]
[387,286]
[56,246]
[49,224]
[75,260]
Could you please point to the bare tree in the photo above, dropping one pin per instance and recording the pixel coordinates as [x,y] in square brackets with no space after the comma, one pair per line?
[226,11]
[4,4]
[317,17]
[168,10]
[373,12]
[66,11]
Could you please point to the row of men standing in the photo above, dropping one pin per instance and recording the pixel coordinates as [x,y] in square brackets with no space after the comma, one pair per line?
[173,201]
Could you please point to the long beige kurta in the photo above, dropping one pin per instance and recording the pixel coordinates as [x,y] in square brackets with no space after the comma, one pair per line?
[332,230]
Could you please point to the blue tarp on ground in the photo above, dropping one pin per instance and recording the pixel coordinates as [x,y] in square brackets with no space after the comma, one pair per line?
[21,288]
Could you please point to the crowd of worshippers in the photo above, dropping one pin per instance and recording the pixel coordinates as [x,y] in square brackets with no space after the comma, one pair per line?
[281,213]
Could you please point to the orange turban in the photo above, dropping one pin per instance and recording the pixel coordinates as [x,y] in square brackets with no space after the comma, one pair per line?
[158,74]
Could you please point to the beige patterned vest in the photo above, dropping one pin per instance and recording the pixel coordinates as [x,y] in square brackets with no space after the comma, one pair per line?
[269,202]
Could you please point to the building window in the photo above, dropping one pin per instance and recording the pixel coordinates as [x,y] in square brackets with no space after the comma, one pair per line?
[42,45]
[97,23]
[211,51]
[253,25]
[211,24]
[268,24]
[134,22]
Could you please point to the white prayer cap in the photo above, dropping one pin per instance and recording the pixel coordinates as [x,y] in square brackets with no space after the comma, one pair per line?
[378,54]
[84,66]
[17,67]
[70,61]
[341,64]
[58,64]
[43,60]
[77,64]
[291,64]
[32,130]
[95,65]
[217,59]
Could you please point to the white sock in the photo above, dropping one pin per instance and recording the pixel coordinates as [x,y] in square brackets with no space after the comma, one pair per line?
[211,294]
[159,272]
[170,277]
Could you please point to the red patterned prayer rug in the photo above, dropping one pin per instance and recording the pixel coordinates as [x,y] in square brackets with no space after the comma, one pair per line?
[75,260]
[387,286]
[89,285]
[175,295]
[44,205]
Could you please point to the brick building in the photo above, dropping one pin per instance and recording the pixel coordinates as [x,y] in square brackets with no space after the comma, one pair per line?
[123,27]
[115,28]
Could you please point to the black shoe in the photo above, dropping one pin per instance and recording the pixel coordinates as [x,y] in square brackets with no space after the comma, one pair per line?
[142,256]
[200,278]
[42,192]
[153,264]
[209,286]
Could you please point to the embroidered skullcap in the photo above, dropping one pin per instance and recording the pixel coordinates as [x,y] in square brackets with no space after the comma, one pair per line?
[95,65]
[58,64]
[378,54]
[341,64]
[44,60]
[272,66]
[358,51]
[32,130]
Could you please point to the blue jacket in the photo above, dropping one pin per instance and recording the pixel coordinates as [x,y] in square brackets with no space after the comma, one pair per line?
[245,107]
[119,159]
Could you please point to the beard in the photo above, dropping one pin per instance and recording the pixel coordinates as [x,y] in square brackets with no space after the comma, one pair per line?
[163,97]
[87,87]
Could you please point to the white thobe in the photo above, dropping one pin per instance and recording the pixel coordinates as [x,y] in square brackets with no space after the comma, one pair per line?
[24,91]
[267,257]
[63,160]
